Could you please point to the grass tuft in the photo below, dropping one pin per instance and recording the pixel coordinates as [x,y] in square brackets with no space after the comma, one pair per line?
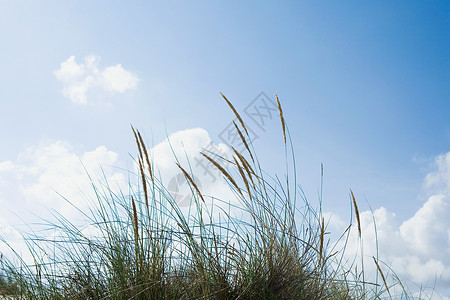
[143,245]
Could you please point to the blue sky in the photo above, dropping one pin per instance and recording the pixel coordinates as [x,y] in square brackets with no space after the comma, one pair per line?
[364,87]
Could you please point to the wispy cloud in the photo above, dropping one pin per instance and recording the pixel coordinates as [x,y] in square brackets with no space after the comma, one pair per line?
[84,81]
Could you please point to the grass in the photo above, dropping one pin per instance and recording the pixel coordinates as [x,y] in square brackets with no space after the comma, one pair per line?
[142,245]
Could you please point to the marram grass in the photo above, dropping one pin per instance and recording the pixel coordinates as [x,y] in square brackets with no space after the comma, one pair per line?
[146,247]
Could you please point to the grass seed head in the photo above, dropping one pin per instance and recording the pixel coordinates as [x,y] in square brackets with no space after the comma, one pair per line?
[144,182]
[224,172]
[137,141]
[356,213]
[235,113]
[244,141]
[283,123]
[247,186]
[382,275]
[135,220]
[144,149]
[191,181]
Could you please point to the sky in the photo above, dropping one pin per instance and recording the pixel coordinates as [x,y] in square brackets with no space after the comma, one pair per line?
[363,86]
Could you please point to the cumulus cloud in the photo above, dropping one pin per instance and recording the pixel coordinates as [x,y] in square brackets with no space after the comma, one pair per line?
[38,179]
[439,181]
[34,184]
[427,231]
[34,180]
[81,80]
[10,238]
[42,175]
[186,146]
[417,249]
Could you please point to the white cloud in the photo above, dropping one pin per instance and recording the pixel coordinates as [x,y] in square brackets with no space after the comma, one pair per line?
[42,172]
[439,181]
[417,249]
[186,146]
[10,238]
[6,166]
[117,79]
[427,231]
[69,70]
[86,79]
[32,182]
[35,182]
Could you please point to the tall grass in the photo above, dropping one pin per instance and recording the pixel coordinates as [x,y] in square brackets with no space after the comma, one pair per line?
[142,245]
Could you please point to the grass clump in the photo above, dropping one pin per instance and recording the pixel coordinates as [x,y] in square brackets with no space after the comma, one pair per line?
[142,245]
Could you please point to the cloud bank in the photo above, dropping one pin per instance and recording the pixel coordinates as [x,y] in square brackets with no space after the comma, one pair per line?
[39,179]
[34,184]
[417,249]
[42,175]
[81,80]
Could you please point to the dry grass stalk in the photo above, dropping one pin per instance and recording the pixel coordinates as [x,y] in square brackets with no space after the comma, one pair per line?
[283,123]
[247,166]
[144,182]
[244,164]
[382,275]
[244,141]
[228,176]
[191,181]
[142,150]
[137,141]
[135,220]
[235,113]
[146,155]
[322,234]
[243,177]
[356,213]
